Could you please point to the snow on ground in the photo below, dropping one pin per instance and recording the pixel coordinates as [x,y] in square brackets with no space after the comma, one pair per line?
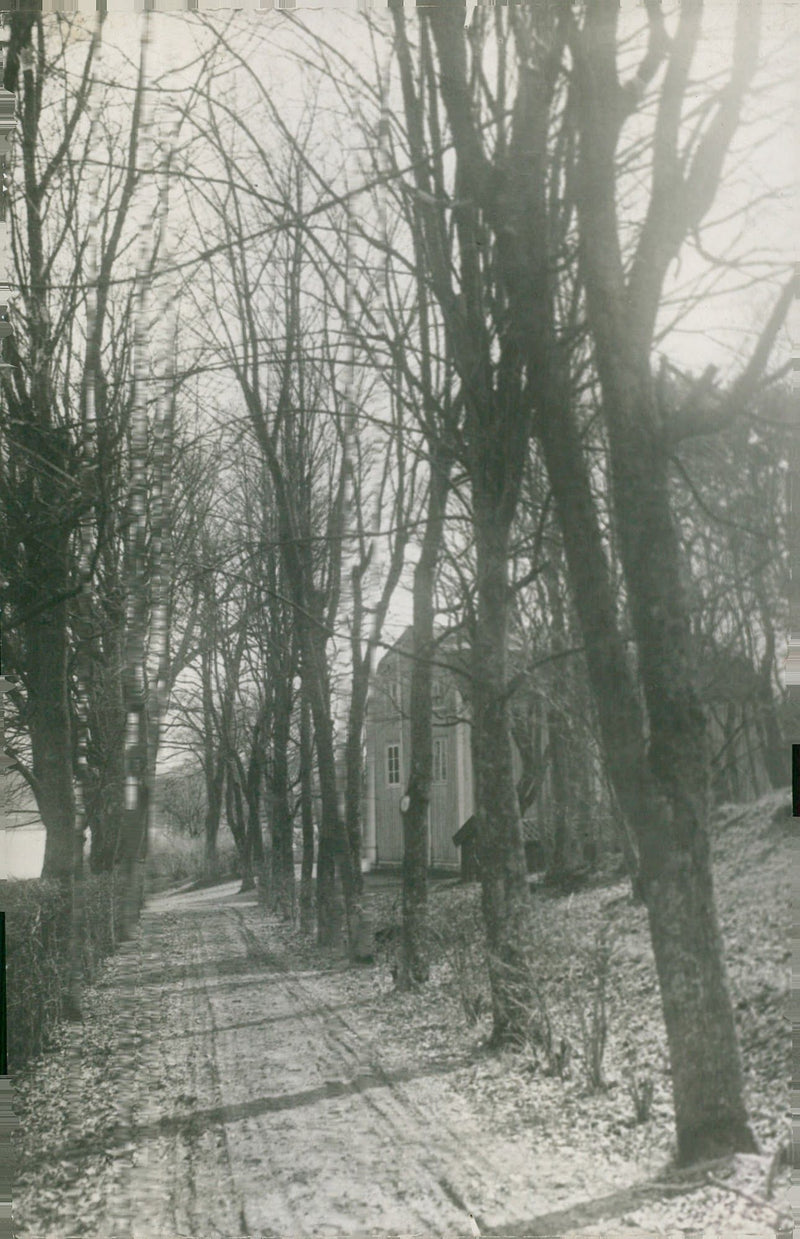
[229,1080]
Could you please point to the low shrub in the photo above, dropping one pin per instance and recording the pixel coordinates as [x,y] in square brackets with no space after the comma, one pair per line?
[457,937]
[37,954]
[103,905]
[36,966]
[590,999]
[641,1090]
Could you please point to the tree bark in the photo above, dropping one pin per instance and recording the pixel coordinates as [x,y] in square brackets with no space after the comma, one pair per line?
[50,729]
[306,817]
[676,867]
[560,859]
[281,823]
[704,1057]
[415,958]
[254,842]
[51,738]
[133,845]
[610,675]
[566,856]
[333,851]
[354,766]
[673,842]
[234,810]
[215,778]
[504,887]
[106,808]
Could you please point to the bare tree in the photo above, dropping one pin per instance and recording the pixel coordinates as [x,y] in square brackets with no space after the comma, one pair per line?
[52,476]
[487,309]
[622,307]
[513,197]
[305,458]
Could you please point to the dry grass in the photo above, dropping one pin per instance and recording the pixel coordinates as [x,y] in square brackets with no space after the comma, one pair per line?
[596,992]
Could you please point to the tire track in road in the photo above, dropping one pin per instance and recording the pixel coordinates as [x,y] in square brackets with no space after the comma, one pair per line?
[399,1161]
[411,1128]
[232,919]
[456,1164]
[207,1081]
[180,1182]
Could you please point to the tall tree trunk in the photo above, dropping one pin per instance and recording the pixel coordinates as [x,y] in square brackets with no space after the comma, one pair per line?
[563,858]
[234,810]
[282,826]
[621,309]
[333,852]
[52,742]
[248,873]
[136,687]
[354,768]
[254,846]
[306,816]
[616,699]
[673,841]
[214,769]
[504,886]
[673,850]
[48,493]
[415,957]
[51,735]
[560,858]
[730,772]
[107,807]
[213,765]
[133,846]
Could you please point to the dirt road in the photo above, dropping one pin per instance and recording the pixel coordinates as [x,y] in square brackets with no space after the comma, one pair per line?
[217,1089]
[235,1097]
[261,1113]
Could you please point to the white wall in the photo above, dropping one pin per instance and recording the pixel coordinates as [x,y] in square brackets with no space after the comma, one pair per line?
[21,851]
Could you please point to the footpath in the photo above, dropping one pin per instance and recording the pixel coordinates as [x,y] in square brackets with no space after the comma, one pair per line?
[214,1089]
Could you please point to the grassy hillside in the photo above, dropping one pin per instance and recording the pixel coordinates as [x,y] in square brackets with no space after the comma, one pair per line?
[586,1094]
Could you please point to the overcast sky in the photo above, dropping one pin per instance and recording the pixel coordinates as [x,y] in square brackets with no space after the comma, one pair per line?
[763,161]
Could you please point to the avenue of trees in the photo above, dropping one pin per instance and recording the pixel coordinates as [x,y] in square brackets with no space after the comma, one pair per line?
[267,389]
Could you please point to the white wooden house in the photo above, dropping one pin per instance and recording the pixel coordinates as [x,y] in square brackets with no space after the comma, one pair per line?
[452,803]
[388,742]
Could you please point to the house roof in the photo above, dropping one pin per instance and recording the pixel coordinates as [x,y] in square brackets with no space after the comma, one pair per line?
[449,657]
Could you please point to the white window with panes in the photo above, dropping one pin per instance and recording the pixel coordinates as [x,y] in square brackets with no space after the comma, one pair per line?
[440,760]
[393,765]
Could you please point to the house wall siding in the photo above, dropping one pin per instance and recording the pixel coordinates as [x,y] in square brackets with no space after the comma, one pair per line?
[388,820]
[388,723]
